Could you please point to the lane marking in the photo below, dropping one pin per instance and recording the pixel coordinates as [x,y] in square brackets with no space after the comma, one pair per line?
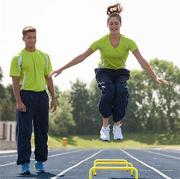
[6,164]
[164,155]
[74,166]
[176,152]
[64,153]
[7,151]
[12,155]
[4,156]
[152,168]
[51,156]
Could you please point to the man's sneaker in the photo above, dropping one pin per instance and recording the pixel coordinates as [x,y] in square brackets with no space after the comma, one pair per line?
[25,169]
[104,133]
[39,166]
[117,132]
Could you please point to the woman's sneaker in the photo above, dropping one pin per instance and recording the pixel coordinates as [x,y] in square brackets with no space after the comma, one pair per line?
[117,132]
[25,169]
[104,133]
[39,166]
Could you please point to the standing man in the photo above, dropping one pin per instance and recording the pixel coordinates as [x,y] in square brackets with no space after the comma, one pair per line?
[29,71]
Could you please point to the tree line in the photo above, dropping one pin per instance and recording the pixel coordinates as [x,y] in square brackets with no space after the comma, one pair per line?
[151,107]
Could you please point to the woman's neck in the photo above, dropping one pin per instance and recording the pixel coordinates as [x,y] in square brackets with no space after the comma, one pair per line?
[114,39]
[115,36]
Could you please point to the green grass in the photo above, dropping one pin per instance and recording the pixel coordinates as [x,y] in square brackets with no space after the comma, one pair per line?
[131,140]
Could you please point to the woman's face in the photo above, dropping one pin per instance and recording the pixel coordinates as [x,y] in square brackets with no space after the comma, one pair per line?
[114,25]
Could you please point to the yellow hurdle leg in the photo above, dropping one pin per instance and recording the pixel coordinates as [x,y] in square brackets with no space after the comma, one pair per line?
[136,173]
[131,171]
[91,173]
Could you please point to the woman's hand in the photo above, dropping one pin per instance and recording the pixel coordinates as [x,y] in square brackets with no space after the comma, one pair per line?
[161,81]
[55,73]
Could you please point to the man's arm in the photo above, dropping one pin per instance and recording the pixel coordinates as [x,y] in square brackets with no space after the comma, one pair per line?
[16,89]
[52,93]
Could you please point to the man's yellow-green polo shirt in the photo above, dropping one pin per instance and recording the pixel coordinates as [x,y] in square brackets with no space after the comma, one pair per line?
[31,68]
[113,57]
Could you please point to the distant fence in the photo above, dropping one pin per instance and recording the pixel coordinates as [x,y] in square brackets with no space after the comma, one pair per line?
[8,130]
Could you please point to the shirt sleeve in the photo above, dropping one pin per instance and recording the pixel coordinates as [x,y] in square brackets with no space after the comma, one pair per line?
[132,45]
[15,67]
[48,67]
[95,45]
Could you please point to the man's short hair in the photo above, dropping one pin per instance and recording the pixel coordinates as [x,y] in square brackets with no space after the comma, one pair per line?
[28,29]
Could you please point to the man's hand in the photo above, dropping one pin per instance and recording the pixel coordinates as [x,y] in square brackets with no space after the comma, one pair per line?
[20,106]
[53,104]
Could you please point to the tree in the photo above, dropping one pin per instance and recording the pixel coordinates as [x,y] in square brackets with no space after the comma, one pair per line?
[137,110]
[9,105]
[95,118]
[151,106]
[168,97]
[1,74]
[2,101]
[80,104]
[61,121]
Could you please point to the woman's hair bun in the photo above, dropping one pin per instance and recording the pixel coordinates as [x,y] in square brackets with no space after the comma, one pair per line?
[114,9]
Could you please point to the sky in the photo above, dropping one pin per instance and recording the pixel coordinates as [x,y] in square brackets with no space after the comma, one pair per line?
[66,28]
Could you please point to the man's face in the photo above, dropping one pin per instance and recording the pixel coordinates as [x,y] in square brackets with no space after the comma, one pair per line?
[30,40]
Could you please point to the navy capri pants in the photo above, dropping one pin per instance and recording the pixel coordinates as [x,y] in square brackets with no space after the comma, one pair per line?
[114,90]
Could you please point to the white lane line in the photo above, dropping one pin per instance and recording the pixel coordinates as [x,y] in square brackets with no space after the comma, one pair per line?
[175,151]
[164,155]
[6,164]
[152,168]
[12,155]
[64,153]
[4,156]
[7,151]
[55,155]
[79,163]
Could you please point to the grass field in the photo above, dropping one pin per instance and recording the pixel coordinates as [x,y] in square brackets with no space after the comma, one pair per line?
[131,140]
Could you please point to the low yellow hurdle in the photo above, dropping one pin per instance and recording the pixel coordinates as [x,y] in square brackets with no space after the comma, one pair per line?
[112,162]
[127,166]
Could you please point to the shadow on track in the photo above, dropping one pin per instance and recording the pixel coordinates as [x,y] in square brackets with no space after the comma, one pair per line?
[37,175]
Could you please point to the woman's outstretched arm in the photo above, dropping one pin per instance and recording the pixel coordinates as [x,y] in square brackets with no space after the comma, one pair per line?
[146,66]
[73,62]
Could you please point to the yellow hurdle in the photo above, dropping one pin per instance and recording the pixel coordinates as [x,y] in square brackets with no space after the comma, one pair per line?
[98,164]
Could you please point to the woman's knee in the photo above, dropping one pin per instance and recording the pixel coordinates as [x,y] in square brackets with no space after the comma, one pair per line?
[122,89]
[108,90]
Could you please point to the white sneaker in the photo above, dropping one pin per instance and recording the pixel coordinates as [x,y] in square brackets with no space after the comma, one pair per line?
[104,133]
[117,132]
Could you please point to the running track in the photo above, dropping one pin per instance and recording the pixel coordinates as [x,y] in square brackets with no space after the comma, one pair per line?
[75,164]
